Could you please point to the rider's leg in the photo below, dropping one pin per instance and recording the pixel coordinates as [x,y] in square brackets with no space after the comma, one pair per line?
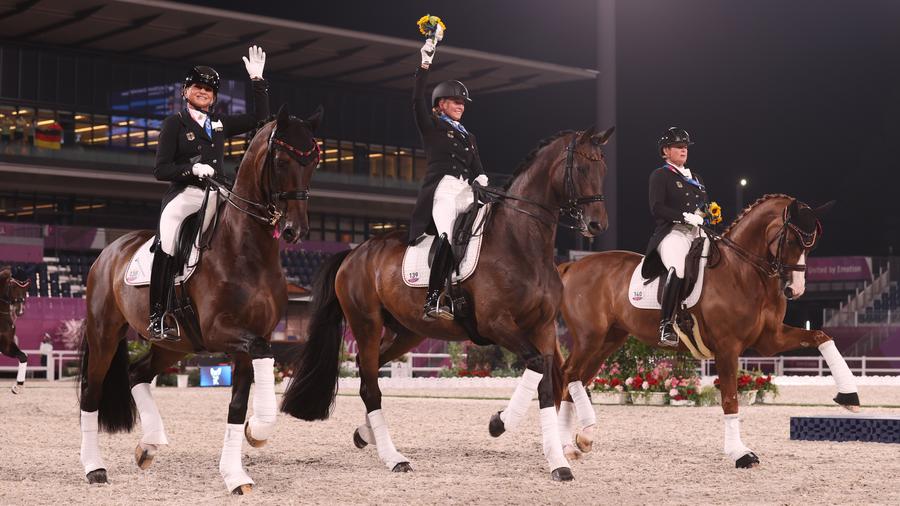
[672,251]
[449,195]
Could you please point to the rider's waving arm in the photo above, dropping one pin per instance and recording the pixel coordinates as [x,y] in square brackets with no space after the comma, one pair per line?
[255,62]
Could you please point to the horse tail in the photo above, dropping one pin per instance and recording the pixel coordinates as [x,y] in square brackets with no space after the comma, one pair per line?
[117,409]
[310,396]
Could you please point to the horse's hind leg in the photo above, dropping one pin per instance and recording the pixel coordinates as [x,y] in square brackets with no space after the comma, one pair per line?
[589,364]
[155,361]
[11,350]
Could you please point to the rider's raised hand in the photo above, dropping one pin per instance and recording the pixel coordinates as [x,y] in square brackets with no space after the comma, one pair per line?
[693,219]
[255,61]
[427,53]
[202,170]
[438,33]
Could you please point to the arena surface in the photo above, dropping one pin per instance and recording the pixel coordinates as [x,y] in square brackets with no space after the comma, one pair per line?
[643,454]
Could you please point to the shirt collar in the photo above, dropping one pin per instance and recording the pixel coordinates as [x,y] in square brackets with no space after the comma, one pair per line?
[197,115]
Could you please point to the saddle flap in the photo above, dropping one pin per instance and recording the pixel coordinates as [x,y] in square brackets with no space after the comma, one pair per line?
[138,271]
[646,294]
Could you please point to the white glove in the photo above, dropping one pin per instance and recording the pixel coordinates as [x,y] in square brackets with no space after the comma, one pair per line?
[693,219]
[438,34]
[427,52]
[255,61]
[202,170]
[482,180]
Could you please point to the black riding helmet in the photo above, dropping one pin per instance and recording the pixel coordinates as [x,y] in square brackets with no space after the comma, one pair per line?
[449,89]
[674,135]
[202,74]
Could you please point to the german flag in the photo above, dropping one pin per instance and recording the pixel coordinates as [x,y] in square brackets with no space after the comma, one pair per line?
[48,136]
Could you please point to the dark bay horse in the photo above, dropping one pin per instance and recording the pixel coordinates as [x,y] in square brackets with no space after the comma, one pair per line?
[239,293]
[745,294]
[13,292]
[515,287]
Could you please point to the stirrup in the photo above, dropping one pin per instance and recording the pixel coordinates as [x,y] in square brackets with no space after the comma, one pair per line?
[441,310]
[667,335]
[161,332]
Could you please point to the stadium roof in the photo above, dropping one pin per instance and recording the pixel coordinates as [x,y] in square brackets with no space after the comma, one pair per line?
[181,32]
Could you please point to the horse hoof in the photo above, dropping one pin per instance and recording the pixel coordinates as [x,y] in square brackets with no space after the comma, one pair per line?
[747,461]
[583,442]
[496,426]
[97,476]
[562,474]
[142,457]
[402,467]
[358,441]
[571,453]
[243,490]
[256,443]
[16,389]
[850,401]
[852,409]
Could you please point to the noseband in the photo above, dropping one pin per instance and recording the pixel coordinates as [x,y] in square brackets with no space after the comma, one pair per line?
[272,210]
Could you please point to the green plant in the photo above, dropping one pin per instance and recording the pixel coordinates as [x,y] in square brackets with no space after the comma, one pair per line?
[709,396]
[137,348]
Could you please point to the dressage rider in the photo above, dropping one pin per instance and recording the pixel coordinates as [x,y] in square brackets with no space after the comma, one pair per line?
[677,202]
[191,148]
[453,164]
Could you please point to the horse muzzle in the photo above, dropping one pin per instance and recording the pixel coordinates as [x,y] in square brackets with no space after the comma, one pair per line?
[596,228]
[788,292]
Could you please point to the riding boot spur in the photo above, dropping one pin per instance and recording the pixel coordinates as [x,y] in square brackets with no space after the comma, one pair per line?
[670,300]
[435,307]
[160,287]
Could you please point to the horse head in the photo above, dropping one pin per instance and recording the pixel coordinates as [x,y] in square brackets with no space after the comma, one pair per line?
[577,170]
[274,175]
[14,289]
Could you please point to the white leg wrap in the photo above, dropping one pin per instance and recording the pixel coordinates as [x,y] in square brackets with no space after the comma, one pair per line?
[262,423]
[365,432]
[521,399]
[20,374]
[552,445]
[565,419]
[230,466]
[90,444]
[586,416]
[843,378]
[386,451]
[734,447]
[151,422]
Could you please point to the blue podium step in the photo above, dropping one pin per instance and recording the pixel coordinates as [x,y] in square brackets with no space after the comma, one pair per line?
[856,427]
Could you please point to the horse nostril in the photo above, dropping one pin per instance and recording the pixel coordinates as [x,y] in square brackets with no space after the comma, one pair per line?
[789,293]
[596,227]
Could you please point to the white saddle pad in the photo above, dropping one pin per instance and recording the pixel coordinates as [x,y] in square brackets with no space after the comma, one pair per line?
[415,261]
[138,272]
[643,296]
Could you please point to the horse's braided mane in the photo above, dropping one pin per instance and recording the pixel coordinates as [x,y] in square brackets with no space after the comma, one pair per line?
[751,206]
[526,162]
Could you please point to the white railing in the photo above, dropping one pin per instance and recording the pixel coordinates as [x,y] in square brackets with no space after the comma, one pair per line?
[55,367]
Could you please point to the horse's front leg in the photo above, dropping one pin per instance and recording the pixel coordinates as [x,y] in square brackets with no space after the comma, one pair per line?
[16,353]
[231,468]
[791,338]
[743,457]
[261,425]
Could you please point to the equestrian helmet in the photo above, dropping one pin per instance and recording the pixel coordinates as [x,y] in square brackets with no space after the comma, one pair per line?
[674,135]
[449,89]
[202,74]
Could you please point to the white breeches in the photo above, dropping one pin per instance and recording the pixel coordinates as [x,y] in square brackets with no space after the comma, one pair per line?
[675,246]
[451,197]
[185,203]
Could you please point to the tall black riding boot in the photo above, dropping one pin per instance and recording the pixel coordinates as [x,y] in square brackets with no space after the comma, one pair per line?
[160,286]
[440,266]
[671,298]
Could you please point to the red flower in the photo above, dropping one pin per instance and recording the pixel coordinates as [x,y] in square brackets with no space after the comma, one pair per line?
[615,382]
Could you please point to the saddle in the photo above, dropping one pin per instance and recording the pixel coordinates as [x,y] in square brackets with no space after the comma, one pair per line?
[695,263]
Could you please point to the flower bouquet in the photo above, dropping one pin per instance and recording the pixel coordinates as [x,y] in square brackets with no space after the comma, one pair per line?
[428,25]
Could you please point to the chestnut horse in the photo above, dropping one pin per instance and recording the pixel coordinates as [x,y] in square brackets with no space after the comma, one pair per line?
[745,293]
[239,295]
[515,287]
[13,292]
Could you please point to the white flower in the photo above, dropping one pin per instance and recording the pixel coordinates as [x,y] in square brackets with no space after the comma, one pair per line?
[629,381]
[668,382]
[645,385]
[673,392]
[620,388]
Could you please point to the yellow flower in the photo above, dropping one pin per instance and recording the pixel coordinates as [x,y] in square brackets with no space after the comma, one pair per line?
[715,212]
[427,20]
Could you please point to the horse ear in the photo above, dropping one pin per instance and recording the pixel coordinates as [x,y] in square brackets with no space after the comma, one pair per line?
[587,133]
[601,138]
[283,117]
[316,119]
[824,208]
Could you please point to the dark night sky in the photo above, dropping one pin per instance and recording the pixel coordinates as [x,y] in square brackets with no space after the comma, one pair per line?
[799,97]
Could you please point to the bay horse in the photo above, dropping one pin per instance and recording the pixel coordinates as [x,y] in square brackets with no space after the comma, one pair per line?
[239,293]
[742,305]
[13,292]
[515,287]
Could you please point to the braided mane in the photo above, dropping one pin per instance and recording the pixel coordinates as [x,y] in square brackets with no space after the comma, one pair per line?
[749,208]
